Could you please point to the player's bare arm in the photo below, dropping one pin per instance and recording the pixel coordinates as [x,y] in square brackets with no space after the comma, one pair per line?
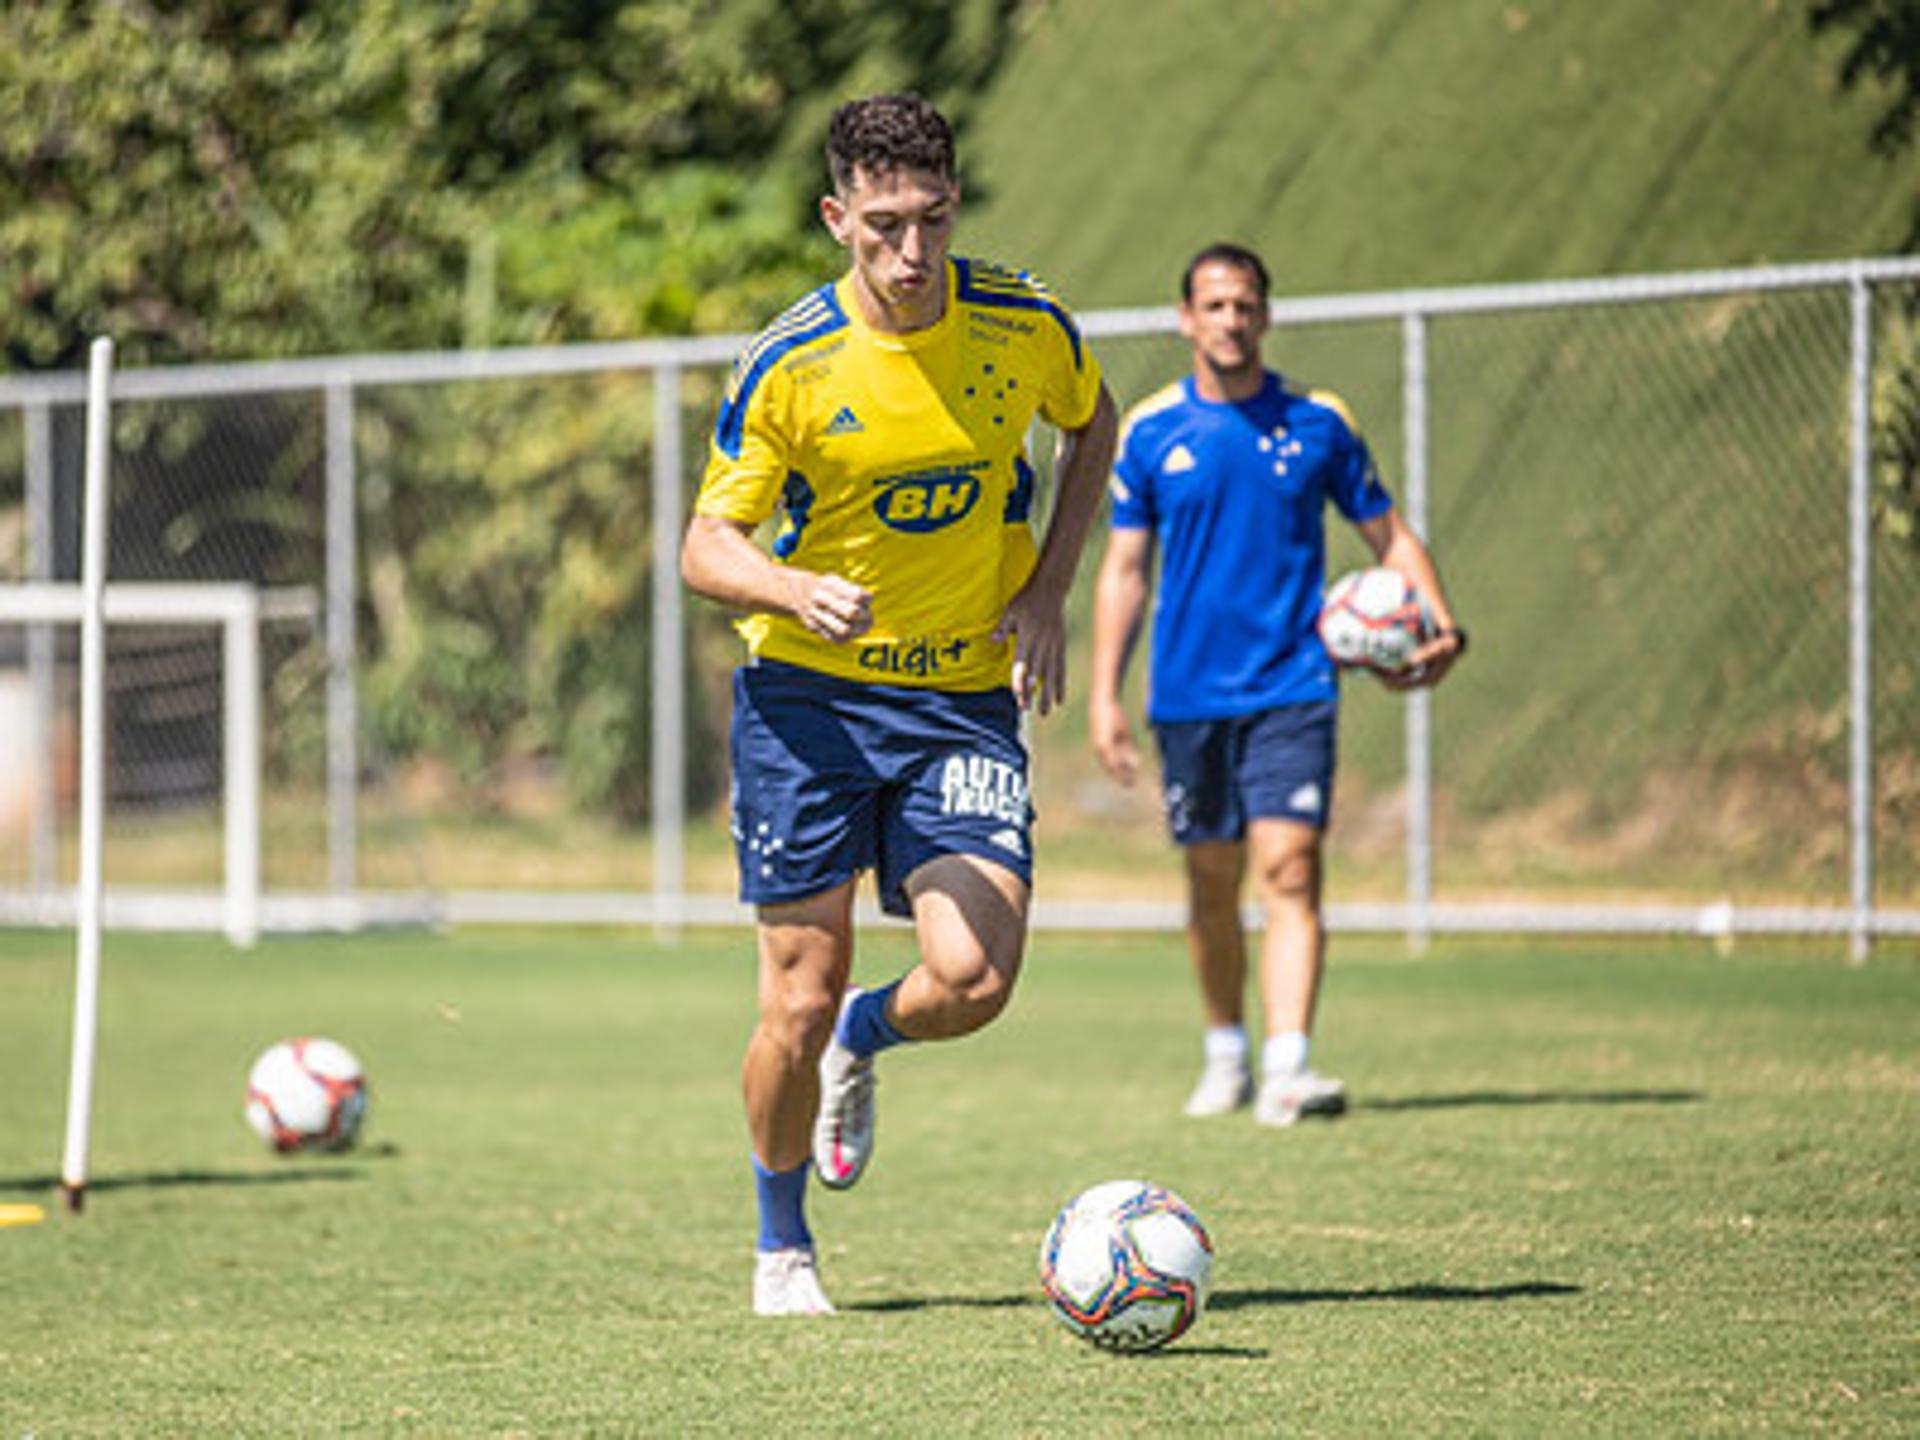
[1395,545]
[1119,603]
[1036,617]
[719,560]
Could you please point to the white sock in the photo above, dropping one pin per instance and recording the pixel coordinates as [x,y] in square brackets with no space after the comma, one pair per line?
[1226,1042]
[1284,1054]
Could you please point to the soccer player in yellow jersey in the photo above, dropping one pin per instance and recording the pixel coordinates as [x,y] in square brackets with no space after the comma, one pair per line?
[902,620]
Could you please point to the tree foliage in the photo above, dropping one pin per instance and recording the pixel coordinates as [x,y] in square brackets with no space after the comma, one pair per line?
[221,178]
[238,179]
[1895,409]
[1885,48]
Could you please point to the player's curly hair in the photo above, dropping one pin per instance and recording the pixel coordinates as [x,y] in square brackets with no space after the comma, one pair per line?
[884,133]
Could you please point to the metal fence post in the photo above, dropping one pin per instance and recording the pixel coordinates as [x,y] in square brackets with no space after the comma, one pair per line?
[1419,737]
[669,738]
[342,549]
[1860,921]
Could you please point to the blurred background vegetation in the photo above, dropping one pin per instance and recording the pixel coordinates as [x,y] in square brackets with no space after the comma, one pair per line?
[241,180]
[209,181]
[225,181]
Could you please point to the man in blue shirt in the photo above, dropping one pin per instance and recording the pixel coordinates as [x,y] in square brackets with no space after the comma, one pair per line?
[1228,473]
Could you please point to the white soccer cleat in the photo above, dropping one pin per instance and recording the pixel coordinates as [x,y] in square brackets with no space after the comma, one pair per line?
[1285,1099]
[1225,1085]
[843,1128]
[786,1282]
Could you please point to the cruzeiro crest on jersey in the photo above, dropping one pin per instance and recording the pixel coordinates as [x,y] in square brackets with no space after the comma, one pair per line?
[924,500]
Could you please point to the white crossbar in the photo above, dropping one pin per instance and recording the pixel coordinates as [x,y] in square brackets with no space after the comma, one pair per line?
[238,610]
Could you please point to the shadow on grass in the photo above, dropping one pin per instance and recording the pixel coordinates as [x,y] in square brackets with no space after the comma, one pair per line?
[943,1302]
[164,1180]
[297,1170]
[1174,1351]
[1472,1098]
[1520,1290]
[1239,1299]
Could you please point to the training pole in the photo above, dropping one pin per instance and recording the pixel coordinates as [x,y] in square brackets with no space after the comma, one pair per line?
[93,674]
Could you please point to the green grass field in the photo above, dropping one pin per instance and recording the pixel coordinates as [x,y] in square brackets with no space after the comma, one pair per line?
[1594,1188]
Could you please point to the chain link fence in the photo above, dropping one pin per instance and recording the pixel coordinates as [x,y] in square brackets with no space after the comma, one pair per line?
[482,693]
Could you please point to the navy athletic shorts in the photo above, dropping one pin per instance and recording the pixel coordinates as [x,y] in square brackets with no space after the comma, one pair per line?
[1272,765]
[833,776]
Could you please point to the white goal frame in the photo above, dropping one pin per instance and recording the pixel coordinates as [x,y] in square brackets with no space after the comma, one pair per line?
[238,611]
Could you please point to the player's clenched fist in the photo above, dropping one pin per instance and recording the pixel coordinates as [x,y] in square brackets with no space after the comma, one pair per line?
[833,607]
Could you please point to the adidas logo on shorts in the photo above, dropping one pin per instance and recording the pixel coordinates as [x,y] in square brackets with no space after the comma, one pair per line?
[1009,839]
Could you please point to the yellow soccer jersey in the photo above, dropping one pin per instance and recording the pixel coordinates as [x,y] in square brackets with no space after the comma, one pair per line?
[900,463]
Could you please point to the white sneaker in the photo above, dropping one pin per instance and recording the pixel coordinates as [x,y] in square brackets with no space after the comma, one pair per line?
[785,1282]
[1225,1085]
[1284,1099]
[843,1128]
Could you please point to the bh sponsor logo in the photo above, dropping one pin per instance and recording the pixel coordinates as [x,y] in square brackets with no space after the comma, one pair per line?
[979,785]
[928,499]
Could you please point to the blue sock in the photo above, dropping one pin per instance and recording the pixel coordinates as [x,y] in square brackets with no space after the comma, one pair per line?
[863,1026]
[783,1206]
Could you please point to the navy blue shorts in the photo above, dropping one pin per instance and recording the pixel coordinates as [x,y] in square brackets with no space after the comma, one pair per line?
[832,777]
[1273,765]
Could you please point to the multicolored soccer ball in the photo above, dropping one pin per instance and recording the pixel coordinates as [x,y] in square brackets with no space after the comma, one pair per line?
[307,1094]
[1126,1265]
[1374,618]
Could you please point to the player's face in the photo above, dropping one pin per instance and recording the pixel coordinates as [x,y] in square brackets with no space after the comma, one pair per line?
[897,228]
[1225,320]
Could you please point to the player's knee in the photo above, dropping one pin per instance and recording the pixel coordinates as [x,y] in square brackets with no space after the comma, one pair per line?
[981,1006]
[1293,877]
[800,1021]
[1215,871]
[1212,892]
[977,993]
[990,993]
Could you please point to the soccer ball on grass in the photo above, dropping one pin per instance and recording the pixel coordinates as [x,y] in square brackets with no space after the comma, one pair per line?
[306,1094]
[1126,1265]
[1374,618]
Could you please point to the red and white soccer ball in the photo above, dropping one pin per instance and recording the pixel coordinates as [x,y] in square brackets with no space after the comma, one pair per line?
[1374,618]
[307,1094]
[1127,1265]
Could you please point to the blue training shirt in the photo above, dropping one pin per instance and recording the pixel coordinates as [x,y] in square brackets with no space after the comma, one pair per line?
[1236,495]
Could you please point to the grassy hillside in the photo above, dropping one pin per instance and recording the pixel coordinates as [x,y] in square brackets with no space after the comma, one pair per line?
[1373,144]
[1640,510]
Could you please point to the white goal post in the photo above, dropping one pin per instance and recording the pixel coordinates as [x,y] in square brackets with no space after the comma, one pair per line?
[237,610]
